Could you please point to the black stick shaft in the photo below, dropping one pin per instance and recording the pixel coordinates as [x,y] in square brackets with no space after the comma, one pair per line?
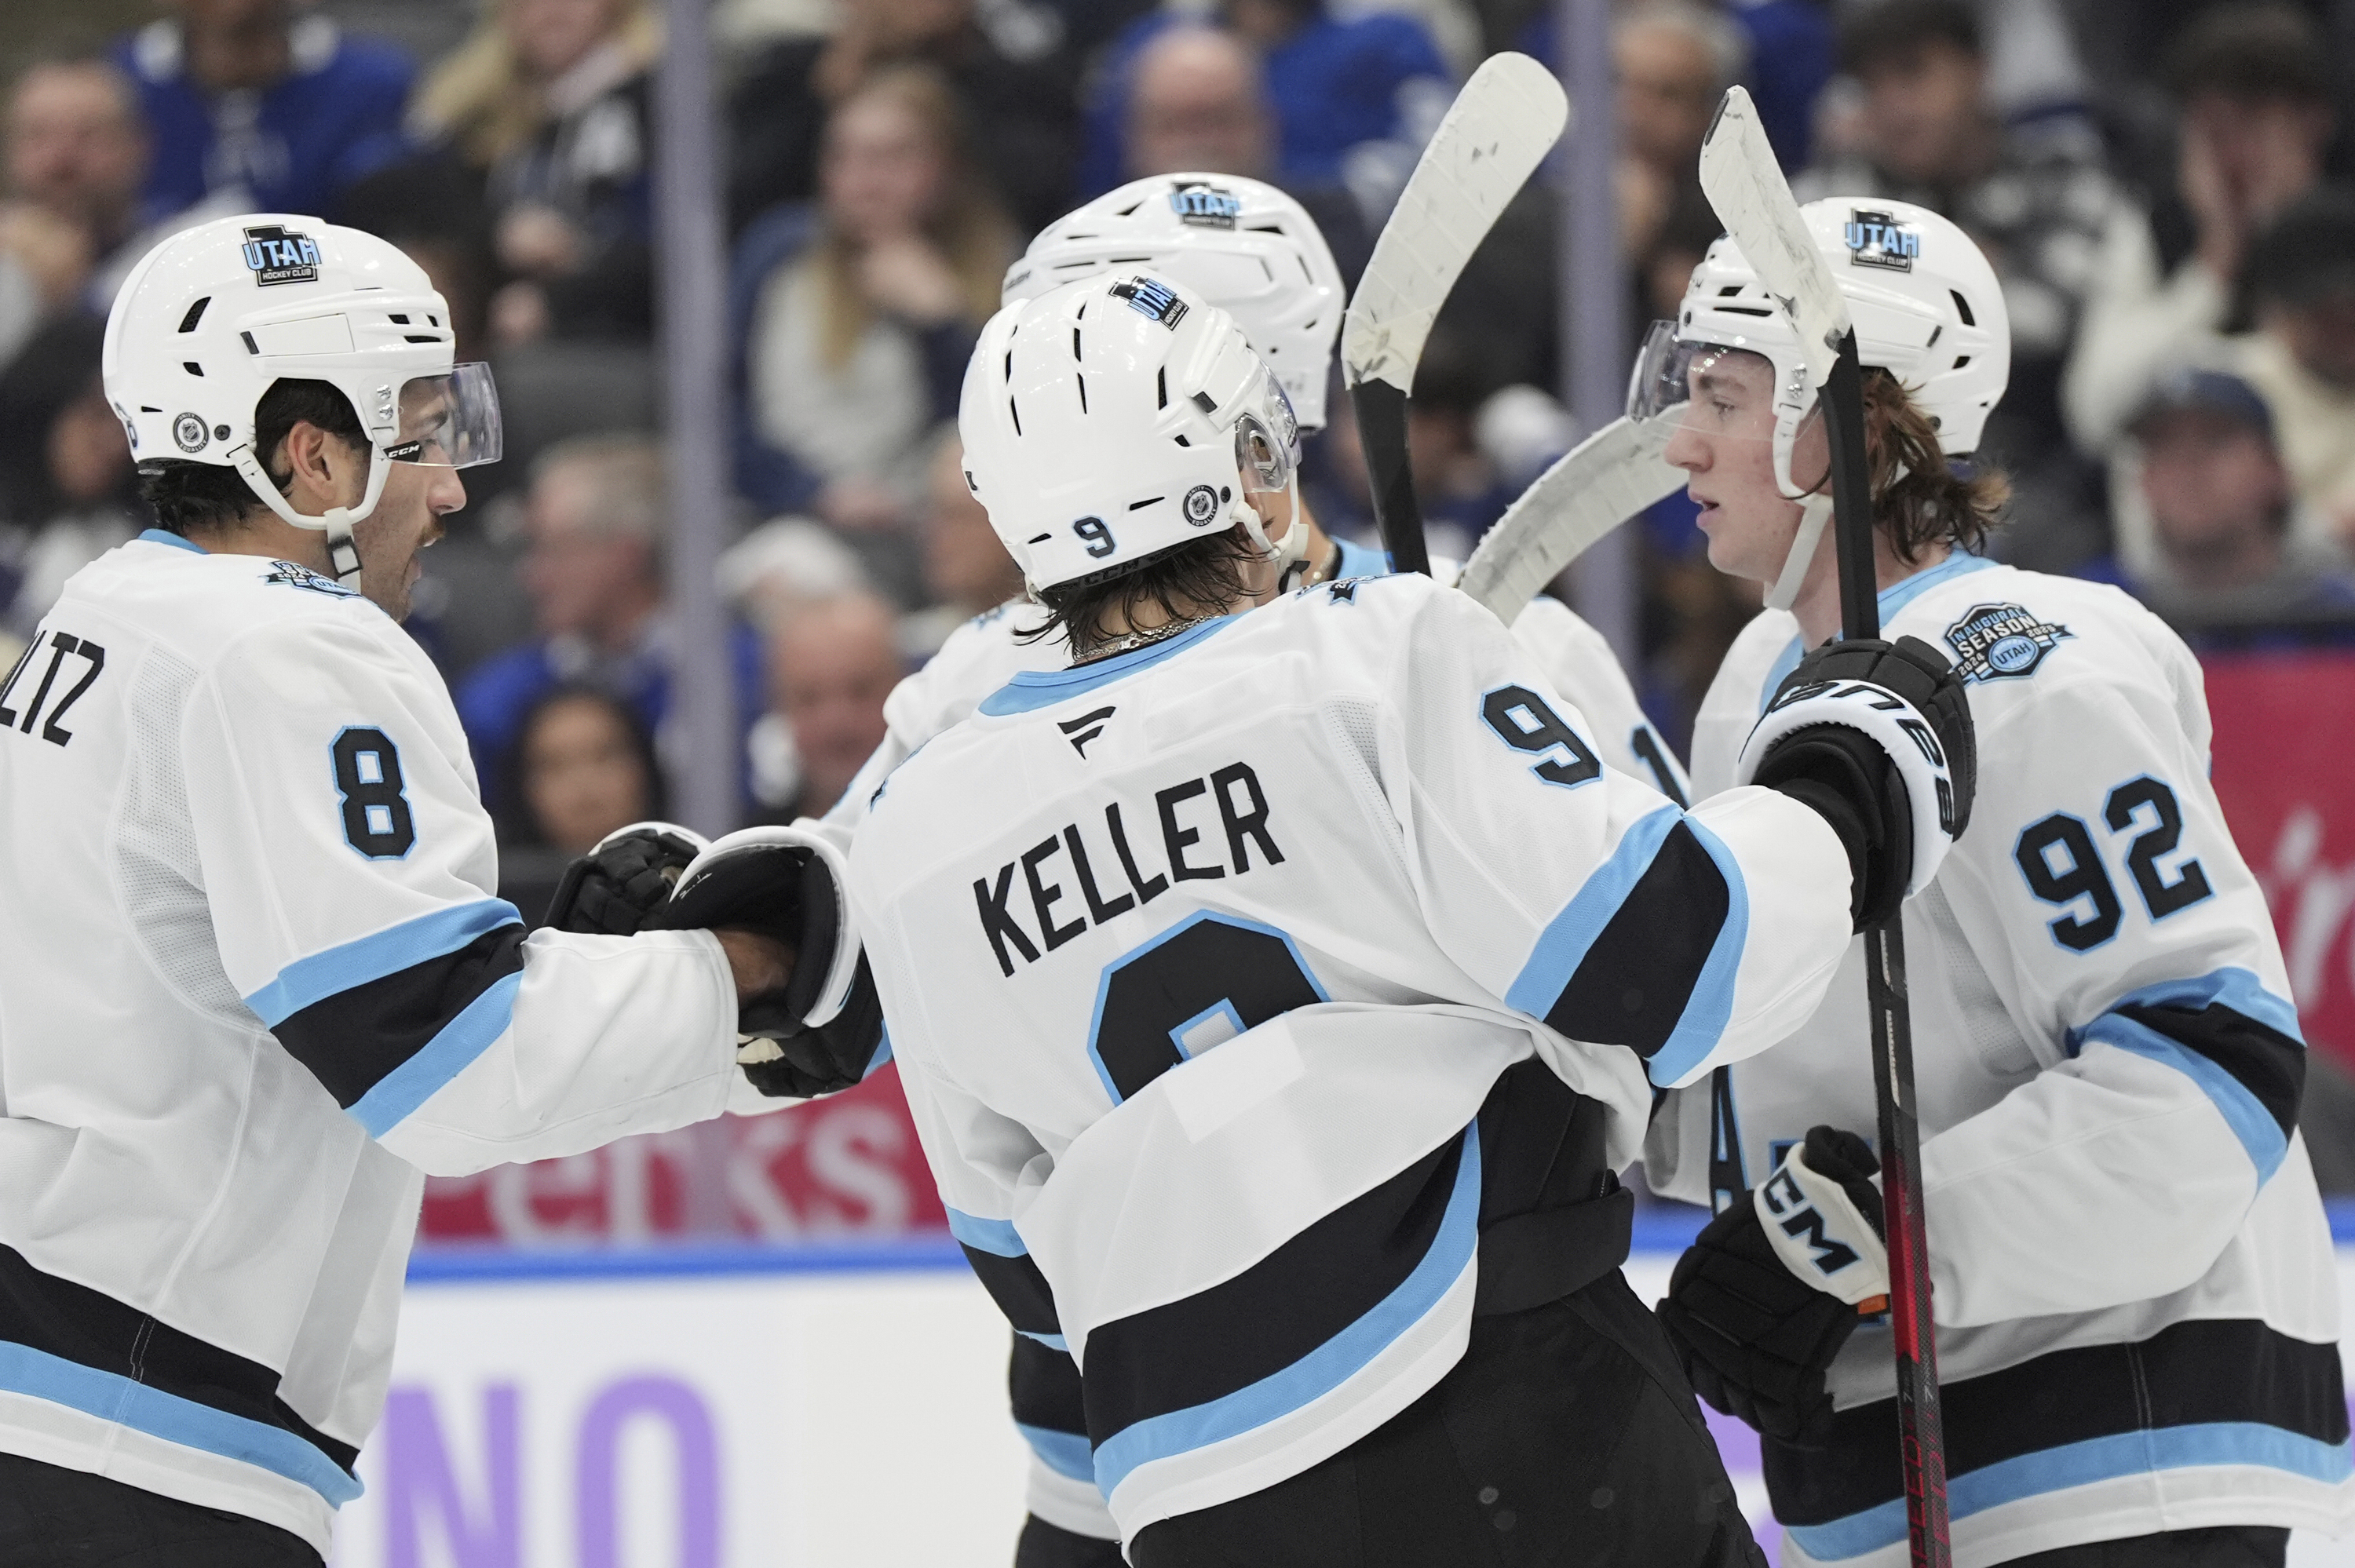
[1920,1426]
[1382,435]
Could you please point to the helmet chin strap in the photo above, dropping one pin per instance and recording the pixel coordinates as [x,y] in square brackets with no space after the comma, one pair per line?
[336,523]
[1815,511]
[1290,555]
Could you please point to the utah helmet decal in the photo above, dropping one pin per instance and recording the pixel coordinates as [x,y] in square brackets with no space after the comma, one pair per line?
[280,255]
[1151,298]
[1202,206]
[1875,239]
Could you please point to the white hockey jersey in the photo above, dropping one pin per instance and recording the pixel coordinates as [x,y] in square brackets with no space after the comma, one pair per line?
[2137,1303]
[254,981]
[1199,961]
[986,651]
[982,655]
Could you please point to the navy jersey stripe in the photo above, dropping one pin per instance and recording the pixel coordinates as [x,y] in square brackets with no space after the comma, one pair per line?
[1632,986]
[1019,1289]
[1204,1347]
[355,1039]
[2207,1372]
[64,1342]
[1042,1385]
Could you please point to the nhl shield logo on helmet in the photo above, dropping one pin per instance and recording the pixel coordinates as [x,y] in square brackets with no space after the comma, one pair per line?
[1206,207]
[188,430]
[280,255]
[1875,239]
[1201,505]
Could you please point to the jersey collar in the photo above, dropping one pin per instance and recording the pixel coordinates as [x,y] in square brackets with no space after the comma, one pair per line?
[158,536]
[1893,598]
[1362,560]
[1030,690]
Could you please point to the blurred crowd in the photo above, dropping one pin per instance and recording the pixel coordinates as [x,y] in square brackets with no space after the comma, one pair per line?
[2163,186]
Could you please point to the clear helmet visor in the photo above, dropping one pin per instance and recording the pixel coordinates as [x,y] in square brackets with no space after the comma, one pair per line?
[449,421]
[1719,390]
[1267,438]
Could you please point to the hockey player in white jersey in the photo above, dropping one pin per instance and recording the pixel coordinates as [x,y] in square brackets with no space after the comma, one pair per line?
[2137,1308]
[255,981]
[1278,994]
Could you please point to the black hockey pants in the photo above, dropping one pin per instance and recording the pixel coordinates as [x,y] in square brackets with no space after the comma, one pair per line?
[56,1518]
[2227,1546]
[1567,1436]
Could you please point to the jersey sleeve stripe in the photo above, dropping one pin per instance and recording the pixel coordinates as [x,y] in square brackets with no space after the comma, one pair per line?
[380,1043]
[1065,1453]
[1291,1329]
[2233,986]
[997,1237]
[451,1052]
[1650,947]
[2252,1121]
[371,958]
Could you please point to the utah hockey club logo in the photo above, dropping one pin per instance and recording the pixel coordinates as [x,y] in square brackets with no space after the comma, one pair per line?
[1084,729]
[301,576]
[1875,240]
[1999,640]
[1151,297]
[279,255]
[1206,207]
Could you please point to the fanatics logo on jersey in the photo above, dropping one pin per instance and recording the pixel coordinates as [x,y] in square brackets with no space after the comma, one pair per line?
[1999,640]
[1875,240]
[1151,297]
[189,432]
[1084,729]
[293,576]
[279,255]
[1206,207]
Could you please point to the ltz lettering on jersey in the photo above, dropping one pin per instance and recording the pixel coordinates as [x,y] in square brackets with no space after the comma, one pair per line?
[1184,815]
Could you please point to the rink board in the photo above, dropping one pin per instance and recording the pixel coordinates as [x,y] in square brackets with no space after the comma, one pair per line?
[745,1407]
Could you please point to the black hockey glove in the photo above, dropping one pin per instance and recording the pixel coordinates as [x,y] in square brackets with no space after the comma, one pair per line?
[610,891]
[1877,737]
[1772,1288]
[817,1033]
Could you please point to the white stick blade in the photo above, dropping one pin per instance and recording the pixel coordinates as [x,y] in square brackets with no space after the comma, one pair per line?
[1606,479]
[1745,188]
[1503,122]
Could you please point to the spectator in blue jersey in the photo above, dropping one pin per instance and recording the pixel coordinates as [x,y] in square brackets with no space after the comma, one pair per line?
[2223,557]
[548,104]
[594,520]
[258,106]
[1354,101]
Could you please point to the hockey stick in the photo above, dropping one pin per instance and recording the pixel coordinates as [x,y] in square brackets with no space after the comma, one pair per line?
[1598,484]
[1501,124]
[1745,185]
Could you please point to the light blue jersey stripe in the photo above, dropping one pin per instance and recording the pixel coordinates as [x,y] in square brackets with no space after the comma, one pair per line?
[447,1054]
[1324,1369]
[1703,1024]
[2254,1124]
[1562,946]
[1892,599]
[2083,1464]
[161,537]
[371,958]
[2235,988]
[1030,690]
[1065,1453]
[109,1397]
[1052,1341]
[997,1237]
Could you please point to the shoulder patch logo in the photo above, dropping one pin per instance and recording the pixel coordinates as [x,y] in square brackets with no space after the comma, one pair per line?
[1153,298]
[1875,240]
[1343,590]
[1993,641]
[293,576]
[279,255]
[1205,207]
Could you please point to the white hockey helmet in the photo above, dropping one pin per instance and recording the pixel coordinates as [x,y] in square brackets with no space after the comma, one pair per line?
[1242,245]
[1114,418]
[1926,308]
[213,316]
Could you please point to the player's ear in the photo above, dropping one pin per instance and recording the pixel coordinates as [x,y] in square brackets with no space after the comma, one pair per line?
[321,465]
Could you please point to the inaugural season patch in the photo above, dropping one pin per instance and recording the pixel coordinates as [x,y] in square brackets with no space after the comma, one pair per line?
[279,255]
[1997,640]
[302,576]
